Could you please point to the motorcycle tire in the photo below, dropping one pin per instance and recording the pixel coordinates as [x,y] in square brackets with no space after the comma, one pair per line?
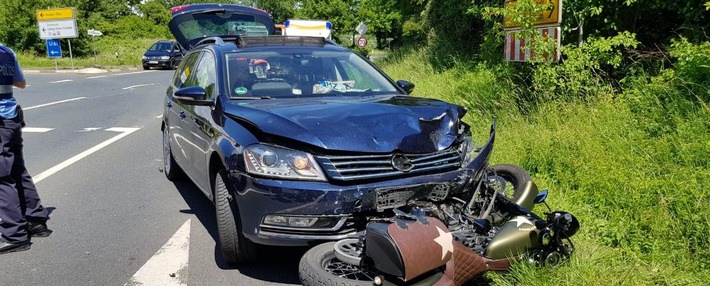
[524,189]
[320,267]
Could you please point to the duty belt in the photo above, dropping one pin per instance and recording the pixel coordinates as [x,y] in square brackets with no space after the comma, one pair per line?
[5,90]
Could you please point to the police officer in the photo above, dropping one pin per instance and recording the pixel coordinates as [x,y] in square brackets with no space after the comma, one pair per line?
[21,212]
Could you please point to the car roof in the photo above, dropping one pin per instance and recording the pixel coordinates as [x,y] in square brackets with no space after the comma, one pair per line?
[241,44]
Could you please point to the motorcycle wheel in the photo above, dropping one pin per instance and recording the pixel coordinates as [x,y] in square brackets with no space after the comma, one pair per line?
[519,186]
[320,267]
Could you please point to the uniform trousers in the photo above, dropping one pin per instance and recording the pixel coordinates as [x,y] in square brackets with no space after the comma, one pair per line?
[19,200]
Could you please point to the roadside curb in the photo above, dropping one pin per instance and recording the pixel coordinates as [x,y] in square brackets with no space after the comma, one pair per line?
[81,70]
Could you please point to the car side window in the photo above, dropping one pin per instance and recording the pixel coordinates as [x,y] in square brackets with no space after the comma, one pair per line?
[205,74]
[185,70]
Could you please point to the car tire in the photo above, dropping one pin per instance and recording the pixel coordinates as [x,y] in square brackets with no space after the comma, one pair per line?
[522,189]
[316,269]
[146,67]
[171,169]
[234,246]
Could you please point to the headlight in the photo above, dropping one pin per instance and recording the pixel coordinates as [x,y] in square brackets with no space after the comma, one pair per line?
[284,163]
[466,150]
[145,58]
[165,58]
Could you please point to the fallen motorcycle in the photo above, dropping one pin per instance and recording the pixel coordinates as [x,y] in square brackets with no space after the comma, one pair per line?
[451,240]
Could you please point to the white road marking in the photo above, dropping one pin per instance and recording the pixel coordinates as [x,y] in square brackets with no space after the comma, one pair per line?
[60,81]
[98,76]
[159,116]
[129,73]
[52,103]
[124,132]
[169,265]
[36,129]
[89,129]
[138,85]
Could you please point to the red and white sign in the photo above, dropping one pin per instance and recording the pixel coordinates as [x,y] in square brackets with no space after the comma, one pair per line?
[362,42]
[515,48]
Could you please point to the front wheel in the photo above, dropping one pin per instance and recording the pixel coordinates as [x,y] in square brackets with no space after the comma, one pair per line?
[171,169]
[235,247]
[516,184]
[320,267]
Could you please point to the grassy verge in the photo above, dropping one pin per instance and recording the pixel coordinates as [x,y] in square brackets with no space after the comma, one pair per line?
[640,195]
[109,53]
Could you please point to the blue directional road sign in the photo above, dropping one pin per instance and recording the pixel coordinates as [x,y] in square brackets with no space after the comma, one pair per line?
[54,50]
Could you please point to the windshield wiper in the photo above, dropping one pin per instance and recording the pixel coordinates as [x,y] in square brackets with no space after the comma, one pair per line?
[250,97]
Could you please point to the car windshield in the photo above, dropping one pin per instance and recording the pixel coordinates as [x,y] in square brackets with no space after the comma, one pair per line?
[161,47]
[303,72]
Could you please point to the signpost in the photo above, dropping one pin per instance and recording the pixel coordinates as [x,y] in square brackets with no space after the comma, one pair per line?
[552,16]
[547,23]
[57,29]
[54,50]
[94,33]
[57,23]
[361,28]
[362,42]
[54,14]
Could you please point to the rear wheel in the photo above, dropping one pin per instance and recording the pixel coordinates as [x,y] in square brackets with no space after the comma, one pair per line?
[235,247]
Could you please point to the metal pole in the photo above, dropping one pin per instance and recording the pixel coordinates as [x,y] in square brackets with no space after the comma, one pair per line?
[55,64]
[93,43]
[71,57]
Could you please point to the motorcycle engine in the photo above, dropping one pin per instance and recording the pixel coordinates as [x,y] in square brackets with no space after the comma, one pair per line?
[473,233]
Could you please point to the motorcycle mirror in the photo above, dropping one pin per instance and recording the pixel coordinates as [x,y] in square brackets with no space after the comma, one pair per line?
[541,197]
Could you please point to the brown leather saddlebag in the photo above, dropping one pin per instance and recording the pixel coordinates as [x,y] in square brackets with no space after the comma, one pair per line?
[409,248]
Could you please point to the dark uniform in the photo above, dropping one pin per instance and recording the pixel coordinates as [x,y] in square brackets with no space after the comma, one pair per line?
[21,212]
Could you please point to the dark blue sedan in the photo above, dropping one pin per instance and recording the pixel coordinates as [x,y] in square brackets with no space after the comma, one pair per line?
[298,140]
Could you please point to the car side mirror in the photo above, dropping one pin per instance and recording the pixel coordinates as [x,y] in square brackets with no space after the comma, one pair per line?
[193,95]
[407,86]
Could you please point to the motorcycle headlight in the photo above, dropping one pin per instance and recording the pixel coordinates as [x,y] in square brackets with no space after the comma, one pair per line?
[466,149]
[165,58]
[276,162]
[145,58]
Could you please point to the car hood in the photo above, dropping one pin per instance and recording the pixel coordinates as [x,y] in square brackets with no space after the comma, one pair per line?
[156,54]
[381,124]
[191,23]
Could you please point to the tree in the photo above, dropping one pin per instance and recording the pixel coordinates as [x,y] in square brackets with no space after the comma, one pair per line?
[281,10]
[341,13]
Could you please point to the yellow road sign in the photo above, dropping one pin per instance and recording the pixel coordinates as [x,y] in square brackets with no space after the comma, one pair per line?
[54,14]
[551,16]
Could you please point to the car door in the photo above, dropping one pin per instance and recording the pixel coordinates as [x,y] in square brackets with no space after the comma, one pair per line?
[176,54]
[199,121]
[176,114]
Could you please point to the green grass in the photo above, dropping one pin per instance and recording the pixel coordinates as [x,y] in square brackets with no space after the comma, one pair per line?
[641,195]
[110,53]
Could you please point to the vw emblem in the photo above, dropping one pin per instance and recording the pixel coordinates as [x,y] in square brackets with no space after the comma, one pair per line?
[402,163]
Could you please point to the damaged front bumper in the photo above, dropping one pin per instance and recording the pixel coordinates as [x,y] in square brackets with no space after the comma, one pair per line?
[293,213]
[299,213]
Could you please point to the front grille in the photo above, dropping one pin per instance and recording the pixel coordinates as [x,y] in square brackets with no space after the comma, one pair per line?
[377,167]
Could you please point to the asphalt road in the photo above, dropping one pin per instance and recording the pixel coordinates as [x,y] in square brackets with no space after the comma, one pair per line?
[93,144]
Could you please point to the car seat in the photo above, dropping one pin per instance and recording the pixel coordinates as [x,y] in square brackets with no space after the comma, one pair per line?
[239,75]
